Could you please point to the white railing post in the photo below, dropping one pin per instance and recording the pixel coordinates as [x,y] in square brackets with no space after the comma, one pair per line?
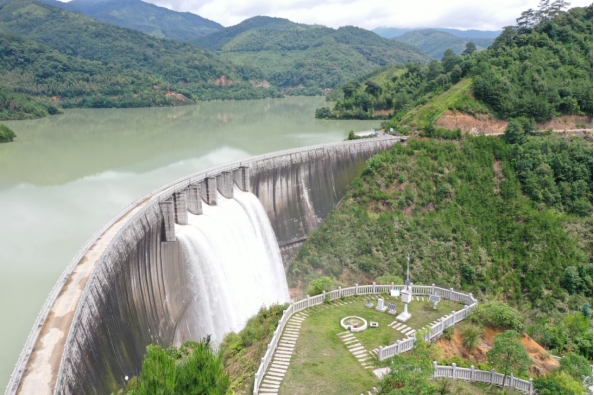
[324,296]
[392,286]
[380,353]
[374,290]
[308,301]
[434,369]
[339,292]
[356,289]
[453,371]
[465,311]
[492,376]
[471,373]
[511,380]
[451,293]
[433,289]
[471,297]
[530,390]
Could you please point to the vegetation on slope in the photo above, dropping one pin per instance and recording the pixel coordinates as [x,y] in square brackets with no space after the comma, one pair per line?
[148,18]
[16,106]
[183,68]
[194,368]
[6,134]
[434,43]
[69,80]
[392,32]
[242,352]
[460,209]
[538,69]
[306,58]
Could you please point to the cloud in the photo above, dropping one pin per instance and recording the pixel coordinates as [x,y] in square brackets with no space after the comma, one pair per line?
[368,14]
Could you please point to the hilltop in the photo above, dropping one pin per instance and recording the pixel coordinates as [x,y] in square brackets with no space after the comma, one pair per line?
[157,21]
[538,71]
[434,43]
[306,58]
[391,32]
[79,61]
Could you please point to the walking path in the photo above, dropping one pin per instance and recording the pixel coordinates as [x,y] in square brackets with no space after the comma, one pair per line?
[282,356]
[357,349]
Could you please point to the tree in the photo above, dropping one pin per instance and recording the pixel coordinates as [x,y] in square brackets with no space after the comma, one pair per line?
[514,133]
[320,285]
[6,134]
[577,367]
[571,280]
[508,355]
[349,89]
[449,60]
[470,48]
[373,89]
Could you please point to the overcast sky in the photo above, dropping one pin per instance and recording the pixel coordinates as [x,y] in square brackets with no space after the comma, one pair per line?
[368,14]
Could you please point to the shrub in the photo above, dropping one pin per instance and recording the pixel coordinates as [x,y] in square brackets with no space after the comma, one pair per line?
[448,332]
[498,315]
[577,367]
[193,369]
[320,285]
[6,134]
[389,278]
[558,383]
[471,337]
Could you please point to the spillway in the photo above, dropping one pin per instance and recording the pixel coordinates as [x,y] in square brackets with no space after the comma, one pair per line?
[234,264]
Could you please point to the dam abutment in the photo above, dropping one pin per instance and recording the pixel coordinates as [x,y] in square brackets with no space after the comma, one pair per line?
[128,286]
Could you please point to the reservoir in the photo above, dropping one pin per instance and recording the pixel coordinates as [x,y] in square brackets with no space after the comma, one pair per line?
[65,176]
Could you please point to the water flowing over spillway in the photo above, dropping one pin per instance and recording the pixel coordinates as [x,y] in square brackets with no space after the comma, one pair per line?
[235,266]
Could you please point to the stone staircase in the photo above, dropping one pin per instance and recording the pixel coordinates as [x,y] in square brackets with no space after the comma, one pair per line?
[282,356]
[357,349]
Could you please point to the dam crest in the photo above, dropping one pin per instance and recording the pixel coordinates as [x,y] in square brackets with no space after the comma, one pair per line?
[130,286]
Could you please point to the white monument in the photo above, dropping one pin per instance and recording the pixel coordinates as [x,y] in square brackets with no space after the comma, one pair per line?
[406,294]
[380,305]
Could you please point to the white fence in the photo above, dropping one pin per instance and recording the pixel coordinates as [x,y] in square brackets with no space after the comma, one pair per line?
[384,352]
[482,376]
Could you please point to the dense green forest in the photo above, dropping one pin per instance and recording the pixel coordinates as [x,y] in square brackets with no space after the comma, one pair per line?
[148,18]
[470,34]
[434,43]
[509,221]
[536,70]
[19,106]
[80,62]
[306,59]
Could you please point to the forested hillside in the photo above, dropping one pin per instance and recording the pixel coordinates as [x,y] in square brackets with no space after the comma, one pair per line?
[434,43]
[537,69]
[71,81]
[157,21]
[392,32]
[83,62]
[506,220]
[307,58]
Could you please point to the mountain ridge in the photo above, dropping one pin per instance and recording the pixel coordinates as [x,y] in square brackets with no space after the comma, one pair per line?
[148,18]
[392,32]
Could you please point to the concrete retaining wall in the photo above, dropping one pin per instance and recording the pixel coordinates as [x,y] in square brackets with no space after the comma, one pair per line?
[127,286]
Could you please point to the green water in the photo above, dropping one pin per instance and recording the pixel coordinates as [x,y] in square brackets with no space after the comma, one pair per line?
[65,176]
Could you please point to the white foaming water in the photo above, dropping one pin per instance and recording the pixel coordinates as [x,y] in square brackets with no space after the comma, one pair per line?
[234,263]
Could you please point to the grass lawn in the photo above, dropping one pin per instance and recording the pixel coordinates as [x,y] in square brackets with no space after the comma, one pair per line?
[322,364]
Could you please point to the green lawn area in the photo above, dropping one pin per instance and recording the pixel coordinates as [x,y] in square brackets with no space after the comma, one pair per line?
[322,363]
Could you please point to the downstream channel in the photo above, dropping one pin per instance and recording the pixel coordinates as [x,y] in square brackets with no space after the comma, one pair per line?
[65,176]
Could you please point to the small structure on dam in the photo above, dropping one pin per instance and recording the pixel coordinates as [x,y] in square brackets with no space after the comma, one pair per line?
[129,285]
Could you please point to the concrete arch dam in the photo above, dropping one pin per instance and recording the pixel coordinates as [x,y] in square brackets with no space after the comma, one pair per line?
[129,287]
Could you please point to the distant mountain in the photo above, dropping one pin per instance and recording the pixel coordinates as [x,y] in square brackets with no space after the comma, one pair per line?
[145,17]
[307,58]
[120,62]
[434,43]
[391,32]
